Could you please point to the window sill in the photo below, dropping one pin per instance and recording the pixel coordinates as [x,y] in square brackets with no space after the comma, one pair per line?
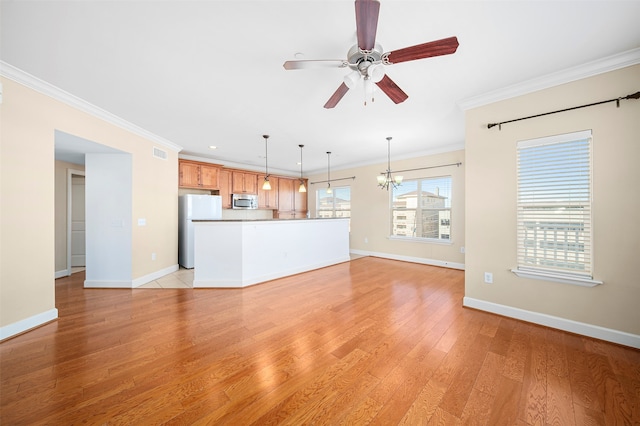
[584,282]
[421,240]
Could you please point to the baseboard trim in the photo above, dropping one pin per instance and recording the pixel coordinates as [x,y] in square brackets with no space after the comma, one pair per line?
[154,276]
[424,261]
[589,330]
[62,273]
[27,324]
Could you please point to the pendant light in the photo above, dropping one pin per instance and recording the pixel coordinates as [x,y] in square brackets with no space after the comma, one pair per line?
[301,188]
[266,185]
[385,179]
[329,190]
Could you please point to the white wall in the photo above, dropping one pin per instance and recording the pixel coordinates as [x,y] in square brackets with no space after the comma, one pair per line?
[31,112]
[371,214]
[108,220]
[608,311]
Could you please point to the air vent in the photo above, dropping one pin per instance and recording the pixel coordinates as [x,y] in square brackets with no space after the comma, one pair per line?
[159,153]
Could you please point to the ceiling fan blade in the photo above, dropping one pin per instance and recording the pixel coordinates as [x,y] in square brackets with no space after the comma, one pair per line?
[335,98]
[314,63]
[446,46]
[367,23]
[391,89]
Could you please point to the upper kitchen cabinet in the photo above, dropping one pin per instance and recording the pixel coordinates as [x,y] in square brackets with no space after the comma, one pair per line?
[285,198]
[291,203]
[244,182]
[300,198]
[193,174]
[225,188]
[268,199]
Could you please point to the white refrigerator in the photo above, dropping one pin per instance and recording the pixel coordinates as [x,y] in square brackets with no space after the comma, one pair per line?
[194,207]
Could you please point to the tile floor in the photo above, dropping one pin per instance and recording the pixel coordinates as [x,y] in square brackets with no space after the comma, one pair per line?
[182,278]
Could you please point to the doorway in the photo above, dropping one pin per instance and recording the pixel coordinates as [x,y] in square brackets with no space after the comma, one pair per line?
[76,235]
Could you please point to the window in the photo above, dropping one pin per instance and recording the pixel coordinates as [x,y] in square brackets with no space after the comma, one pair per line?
[554,206]
[337,204]
[421,208]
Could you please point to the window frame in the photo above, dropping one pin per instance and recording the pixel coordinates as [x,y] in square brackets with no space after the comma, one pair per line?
[419,211]
[554,209]
[333,209]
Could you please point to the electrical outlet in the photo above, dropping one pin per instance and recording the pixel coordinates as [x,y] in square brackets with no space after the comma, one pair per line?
[488,277]
[366,240]
[462,250]
[153,256]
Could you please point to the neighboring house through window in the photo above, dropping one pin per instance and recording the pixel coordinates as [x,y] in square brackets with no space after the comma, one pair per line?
[421,208]
[336,204]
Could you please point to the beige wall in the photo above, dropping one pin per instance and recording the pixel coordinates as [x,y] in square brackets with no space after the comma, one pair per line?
[27,256]
[490,158]
[371,215]
[61,181]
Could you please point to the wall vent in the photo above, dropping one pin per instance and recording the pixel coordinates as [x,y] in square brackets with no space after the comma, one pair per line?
[159,153]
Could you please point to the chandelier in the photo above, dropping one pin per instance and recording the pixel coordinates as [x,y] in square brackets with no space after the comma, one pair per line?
[385,179]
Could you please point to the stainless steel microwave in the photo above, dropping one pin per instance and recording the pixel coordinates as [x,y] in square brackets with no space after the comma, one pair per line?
[244,201]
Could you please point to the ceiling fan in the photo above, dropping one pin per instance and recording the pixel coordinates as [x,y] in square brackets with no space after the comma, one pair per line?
[367,60]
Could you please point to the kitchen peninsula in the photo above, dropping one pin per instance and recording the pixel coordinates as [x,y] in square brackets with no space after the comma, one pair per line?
[240,253]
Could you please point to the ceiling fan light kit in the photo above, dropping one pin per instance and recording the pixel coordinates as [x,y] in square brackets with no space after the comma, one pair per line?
[367,58]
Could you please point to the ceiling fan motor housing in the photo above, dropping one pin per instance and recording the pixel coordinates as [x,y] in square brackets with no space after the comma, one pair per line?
[361,60]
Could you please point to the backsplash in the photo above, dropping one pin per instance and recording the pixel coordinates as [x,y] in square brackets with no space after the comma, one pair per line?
[247,214]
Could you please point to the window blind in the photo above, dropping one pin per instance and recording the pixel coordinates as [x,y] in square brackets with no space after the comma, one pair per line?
[554,205]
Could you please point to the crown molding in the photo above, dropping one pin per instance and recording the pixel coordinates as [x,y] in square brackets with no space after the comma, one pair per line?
[600,66]
[32,82]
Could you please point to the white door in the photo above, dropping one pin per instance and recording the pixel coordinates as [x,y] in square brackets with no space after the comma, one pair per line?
[77,221]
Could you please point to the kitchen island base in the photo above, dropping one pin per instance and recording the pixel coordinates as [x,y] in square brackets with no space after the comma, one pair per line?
[235,254]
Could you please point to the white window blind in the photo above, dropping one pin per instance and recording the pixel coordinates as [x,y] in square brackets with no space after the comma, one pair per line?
[554,205]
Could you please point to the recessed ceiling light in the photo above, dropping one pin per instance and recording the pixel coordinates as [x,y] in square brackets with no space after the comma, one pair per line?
[213,147]
[298,55]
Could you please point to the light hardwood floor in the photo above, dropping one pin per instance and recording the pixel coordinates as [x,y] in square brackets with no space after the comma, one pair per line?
[371,341]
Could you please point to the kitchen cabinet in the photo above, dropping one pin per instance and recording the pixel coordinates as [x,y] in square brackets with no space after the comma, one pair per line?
[198,175]
[300,198]
[285,197]
[244,183]
[268,199]
[189,175]
[291,203]
[225,188]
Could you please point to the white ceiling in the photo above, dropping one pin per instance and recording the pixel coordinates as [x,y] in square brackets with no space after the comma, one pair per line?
[203,73]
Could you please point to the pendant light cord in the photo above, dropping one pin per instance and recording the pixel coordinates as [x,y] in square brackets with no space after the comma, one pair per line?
[329,169]
[266,157]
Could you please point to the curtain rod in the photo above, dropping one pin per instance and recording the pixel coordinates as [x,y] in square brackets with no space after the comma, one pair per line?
[424,168]
[617,101]
[332,180]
